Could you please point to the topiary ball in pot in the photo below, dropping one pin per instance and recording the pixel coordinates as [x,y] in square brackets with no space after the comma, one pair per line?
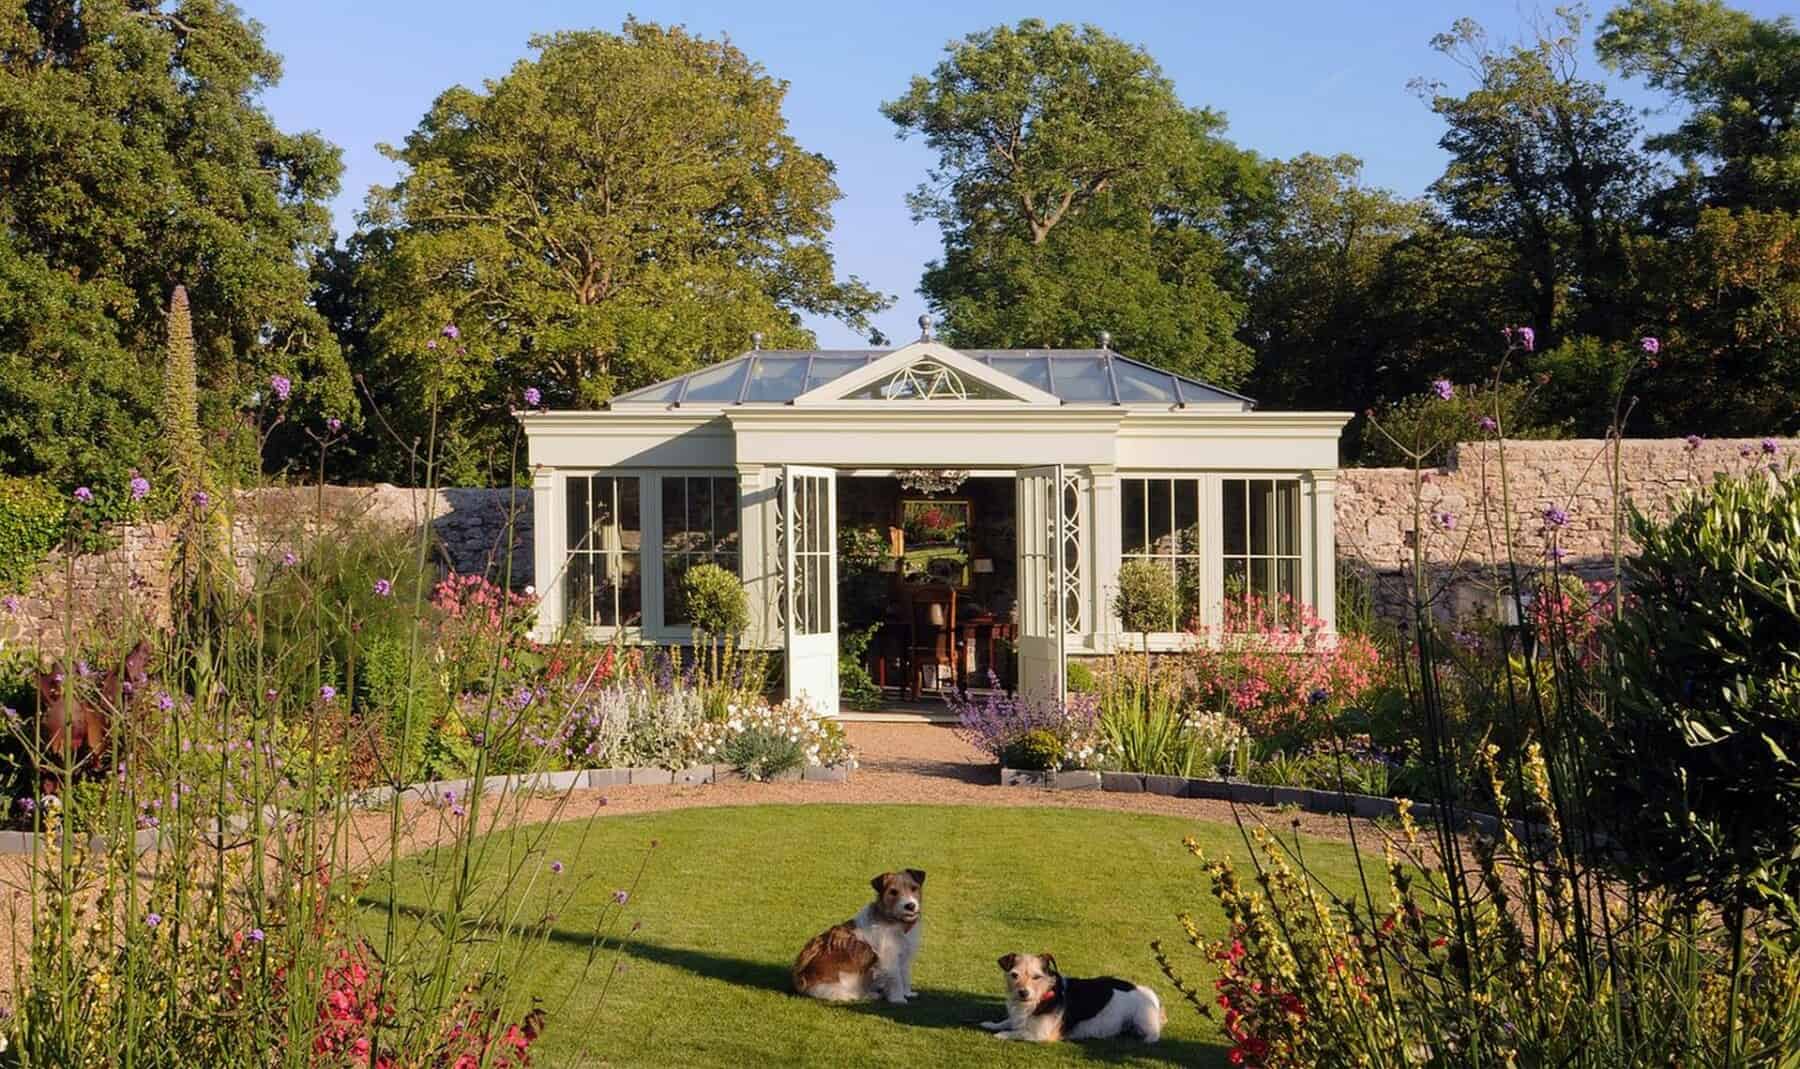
[716,604]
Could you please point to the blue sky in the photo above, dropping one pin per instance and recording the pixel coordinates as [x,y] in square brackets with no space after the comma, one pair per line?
[1290,77]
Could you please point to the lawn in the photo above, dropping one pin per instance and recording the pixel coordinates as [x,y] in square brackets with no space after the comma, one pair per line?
[730,894]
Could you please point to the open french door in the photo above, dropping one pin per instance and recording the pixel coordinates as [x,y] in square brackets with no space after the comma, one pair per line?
[809,518]
[1041,630]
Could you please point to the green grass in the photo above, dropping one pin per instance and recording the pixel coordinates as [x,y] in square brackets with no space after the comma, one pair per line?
[730,895]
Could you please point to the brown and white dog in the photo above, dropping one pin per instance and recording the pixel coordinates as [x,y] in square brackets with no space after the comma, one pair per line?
[74,722]
[871,954]
[1043,1005]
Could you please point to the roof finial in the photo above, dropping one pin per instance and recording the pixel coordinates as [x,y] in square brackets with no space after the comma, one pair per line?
[756,339]
[924,328]
[1106,339]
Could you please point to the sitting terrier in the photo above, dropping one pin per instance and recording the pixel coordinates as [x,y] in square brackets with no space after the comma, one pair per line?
[74,725]
[1044,1006]
[872,953]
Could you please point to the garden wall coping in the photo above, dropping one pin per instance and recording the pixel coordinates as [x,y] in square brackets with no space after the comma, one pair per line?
[441,792]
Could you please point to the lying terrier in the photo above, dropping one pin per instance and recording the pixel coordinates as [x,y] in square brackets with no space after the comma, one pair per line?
[872,953]
[1043,1005]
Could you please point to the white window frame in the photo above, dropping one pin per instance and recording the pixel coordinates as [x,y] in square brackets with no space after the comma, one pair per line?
[651,628]
[1212,541]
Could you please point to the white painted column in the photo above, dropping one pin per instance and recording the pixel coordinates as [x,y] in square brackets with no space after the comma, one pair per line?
[1104,550]
[549,526]
[1323,483]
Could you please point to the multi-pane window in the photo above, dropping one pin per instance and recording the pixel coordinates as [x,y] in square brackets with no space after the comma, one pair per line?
[699,526]
[603,584]
[1160,522]
[1261,528]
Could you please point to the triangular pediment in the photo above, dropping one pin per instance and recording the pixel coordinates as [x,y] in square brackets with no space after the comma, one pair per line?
[927,372]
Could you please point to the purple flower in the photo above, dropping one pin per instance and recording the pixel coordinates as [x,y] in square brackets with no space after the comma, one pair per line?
[1444,389]
[621,897]
[334,425]
[153,919]
[556,868]
[27,804]
[288,560]
[1555,554]
[282,386]
[1693,442]
[83,494]
[140,487]
[11,604]
[327,693]
[202,499]
[1770,446]
[271,694]
[1556,516]
[1318,697]
[1527,338]
[1650,345]
[1447,520]
[451,332]
[256,935]
[383,588]
[432,344]
[164,702]
[1746,452]
[1488,425]
[532,397]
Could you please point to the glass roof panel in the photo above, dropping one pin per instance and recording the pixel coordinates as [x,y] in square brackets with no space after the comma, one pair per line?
[831,368]
[717,385]
[1034,370]
[664,391]
[777,378]
[1081,379]
[1138,383]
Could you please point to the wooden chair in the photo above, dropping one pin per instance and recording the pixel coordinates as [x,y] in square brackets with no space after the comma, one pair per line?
[931,635]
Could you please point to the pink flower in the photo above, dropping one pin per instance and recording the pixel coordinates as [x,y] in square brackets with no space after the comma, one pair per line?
[282,386]
[1650,345]
[83,494]
[451,332]
[334,425]
[383,588]
[1693,442]
[1527,338]
[1444,389]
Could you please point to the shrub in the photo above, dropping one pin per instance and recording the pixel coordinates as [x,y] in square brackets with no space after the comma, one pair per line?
[1145,601]
[1035,751]
[766,741]
[856,688]
[33,517]
[1431,425]
[995,722]
[1081,679]
[716,603]
[1143,722]
[1707,734]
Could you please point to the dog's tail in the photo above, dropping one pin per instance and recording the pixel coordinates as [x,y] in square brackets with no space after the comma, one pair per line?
[828,955]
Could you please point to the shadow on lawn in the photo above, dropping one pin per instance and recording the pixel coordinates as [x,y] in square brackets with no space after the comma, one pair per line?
[933,1008]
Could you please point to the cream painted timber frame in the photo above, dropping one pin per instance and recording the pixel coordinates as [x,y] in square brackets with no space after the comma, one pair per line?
[1097,444]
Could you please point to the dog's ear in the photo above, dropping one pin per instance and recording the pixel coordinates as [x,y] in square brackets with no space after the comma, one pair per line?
[918,876]
[879,883]
[137,663]
[1049,964]
[1006,962]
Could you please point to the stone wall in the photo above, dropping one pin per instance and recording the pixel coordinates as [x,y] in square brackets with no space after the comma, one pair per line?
[1461,511]
[1375,524]
[126,587]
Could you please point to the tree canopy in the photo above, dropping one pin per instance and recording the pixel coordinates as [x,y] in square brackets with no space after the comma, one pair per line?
[1078,195]
[617,209]
[134,157]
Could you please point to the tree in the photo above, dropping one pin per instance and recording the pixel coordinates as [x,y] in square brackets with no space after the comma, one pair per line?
[617,209]
[1547,162]
[134,156]
[1077,194]
[1741,77]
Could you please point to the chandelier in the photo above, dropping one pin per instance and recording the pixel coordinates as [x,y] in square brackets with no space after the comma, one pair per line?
[932,480]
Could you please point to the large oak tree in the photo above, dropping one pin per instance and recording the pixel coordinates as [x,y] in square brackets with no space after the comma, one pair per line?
[616,209]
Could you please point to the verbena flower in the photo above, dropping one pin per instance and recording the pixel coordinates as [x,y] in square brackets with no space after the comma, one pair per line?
[255,935]
[288,560]
[1444,388]
[383,588]
[621,897]
[83,494]
[1770,446]
[140,487]
[281,385]
[153,919]
[164,701]
[11,604]
[556,868]
[1693,442]
[334,425]
[1556,516]
[1650,345]
[1447,520]
[533,398]
[202,498]
[451,332]
[327,693]
[1527,338]
[1488,425]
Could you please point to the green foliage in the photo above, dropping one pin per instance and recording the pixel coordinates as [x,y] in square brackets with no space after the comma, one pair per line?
[715,600]
[33,517]
[705,222]
[856,688]
[137,154]
[1431,426]
[1144,723]
[181,402]
[1145,601]
[1704,751]
[1081,678]
[1077,194]
[1036,750]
